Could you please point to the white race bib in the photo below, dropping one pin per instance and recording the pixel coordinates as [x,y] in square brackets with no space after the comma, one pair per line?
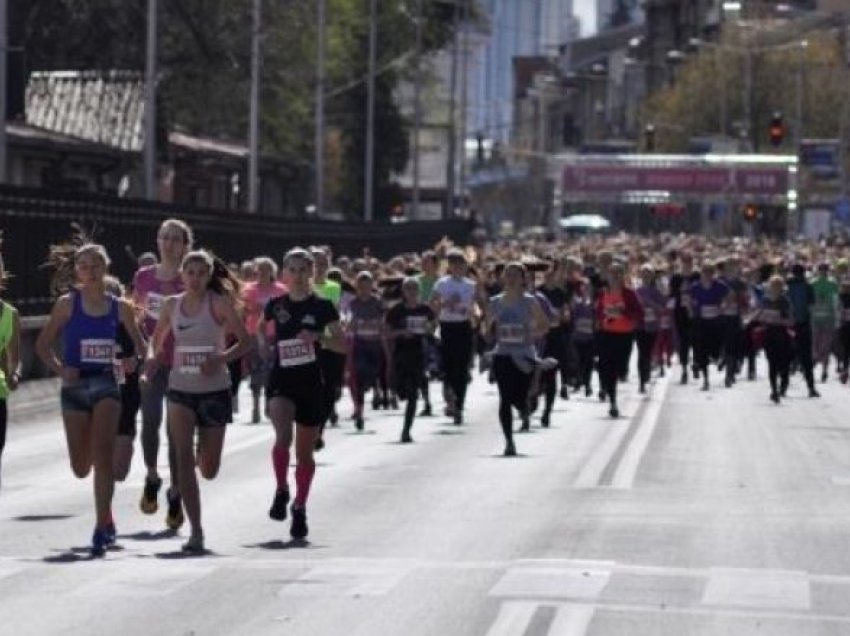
[188,360]
[584,325]
[153,304]
[770,316]
[709,311]
[295,353]
[97,351]
[512,334]
[417,324]
[367,328]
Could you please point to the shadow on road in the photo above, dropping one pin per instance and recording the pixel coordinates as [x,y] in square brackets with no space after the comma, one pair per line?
[147,535]
[277,544]
[179,555]
[42,517]
[71,555]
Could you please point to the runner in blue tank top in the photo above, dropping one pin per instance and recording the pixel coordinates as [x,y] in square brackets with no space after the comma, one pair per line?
[88,317]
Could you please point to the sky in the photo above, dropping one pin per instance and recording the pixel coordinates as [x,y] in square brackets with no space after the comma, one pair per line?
[586,12]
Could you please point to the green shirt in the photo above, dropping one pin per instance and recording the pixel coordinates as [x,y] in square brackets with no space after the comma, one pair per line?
[826,301]
[426,287]
[329,290]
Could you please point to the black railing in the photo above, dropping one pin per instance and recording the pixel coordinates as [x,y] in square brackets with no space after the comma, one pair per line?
[32,219]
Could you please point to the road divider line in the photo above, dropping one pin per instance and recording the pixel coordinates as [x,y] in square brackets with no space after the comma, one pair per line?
[513,618]
[572,620]
[624,477]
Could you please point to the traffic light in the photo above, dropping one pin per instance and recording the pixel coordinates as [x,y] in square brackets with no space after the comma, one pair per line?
[777,129]
[649,137]
[751,212]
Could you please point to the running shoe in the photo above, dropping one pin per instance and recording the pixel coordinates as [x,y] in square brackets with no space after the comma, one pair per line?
[319,444]
[426,412]
[99,541]
[148,504]
[774,397]
[278,509]
[111,533]
[544,420]
[526,425]
[813,393]
[174,518]
[565,393]
[406,438]
[458,418]
[195,544]
[333,418]
[510,450]
[614,412]
[299,523]
[255,416]
[393,403]
[588,391]
[358,422]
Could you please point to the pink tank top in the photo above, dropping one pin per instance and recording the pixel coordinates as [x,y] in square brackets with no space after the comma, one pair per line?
[150,293]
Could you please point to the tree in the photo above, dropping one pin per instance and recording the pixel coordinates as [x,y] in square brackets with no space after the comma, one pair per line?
[712,90]
[205,71]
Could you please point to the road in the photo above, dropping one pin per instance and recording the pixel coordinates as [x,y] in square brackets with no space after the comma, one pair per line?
[695,513]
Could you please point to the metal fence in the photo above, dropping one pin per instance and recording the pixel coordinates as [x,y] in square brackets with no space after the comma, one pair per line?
[32,219]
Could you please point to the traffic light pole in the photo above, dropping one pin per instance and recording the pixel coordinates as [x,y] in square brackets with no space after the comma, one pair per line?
[150,103]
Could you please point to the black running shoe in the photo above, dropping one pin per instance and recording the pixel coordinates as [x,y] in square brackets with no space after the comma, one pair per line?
[99,542]
[278,509]
[544,421]
[510,450]
[565,394]
[111,533]
[148,504]
[406,438]
[774,397]
[358,422]
[333,418]
[614,412]
[174,518]
[195,544]
[299,523]
[426,412]
[319,444]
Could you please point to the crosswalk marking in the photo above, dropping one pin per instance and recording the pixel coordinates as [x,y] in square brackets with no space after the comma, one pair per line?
[515,617]
[576,583]
[758,588]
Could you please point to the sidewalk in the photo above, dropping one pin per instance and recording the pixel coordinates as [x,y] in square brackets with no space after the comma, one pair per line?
[33,397]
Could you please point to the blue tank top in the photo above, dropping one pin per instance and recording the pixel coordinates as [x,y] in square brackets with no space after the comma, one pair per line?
[90,340]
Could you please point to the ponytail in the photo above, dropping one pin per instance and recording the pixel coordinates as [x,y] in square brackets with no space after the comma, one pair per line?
[222,281]
[62,258]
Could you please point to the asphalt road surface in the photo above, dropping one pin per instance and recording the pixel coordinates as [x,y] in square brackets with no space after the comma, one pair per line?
[694,513]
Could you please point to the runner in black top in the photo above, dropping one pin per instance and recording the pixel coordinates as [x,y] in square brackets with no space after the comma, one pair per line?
[409,323]
[295,384]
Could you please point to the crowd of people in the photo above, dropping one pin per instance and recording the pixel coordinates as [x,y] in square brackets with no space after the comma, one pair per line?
[543,319]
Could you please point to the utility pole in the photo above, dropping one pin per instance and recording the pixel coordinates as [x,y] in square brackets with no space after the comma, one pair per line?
[450,163]
[150,102]
[320,107]
[4,53]
[417,109]
[368,212]
[254,125]
[798,136]
[464,97]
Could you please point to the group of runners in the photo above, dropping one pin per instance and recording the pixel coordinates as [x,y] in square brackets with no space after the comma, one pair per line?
[190,327]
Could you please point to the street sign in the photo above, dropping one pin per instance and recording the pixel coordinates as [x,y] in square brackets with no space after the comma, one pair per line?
[821,157]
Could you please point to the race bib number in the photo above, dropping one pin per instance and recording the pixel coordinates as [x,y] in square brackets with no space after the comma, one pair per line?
[584,325]
[614,311]
[189,359]
[770,316]
[417,325]
[295,353]
[512,334]
[730,311]
[95,351]
[367,329]
[153,305]
[709,311]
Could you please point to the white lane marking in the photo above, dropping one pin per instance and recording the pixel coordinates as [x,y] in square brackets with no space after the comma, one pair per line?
[580,583]
[759,588]
[572,620]
[624,477]
[672,610]
[347,579]
[592,471]
[513,618]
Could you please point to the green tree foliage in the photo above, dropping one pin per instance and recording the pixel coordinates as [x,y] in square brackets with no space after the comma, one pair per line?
[711,92]
[204,56]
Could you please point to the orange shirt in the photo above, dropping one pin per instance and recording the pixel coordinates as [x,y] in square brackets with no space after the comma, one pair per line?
[615,319]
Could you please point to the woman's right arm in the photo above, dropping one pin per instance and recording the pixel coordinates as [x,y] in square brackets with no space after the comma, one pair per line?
[59,317]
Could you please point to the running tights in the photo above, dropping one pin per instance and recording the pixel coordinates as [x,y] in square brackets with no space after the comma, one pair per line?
[645,347]
[614,350]
[778,348]
[153,394]
[513,385]
[457,356]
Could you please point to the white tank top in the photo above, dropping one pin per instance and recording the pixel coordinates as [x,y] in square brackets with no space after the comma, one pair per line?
[196,339]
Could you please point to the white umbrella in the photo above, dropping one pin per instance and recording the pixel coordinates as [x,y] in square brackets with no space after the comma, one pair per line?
[585,222]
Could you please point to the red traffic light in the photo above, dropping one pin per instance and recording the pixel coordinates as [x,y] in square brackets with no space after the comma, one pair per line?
[776,132]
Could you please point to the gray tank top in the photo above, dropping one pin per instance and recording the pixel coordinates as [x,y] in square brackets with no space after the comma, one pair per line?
[196,338]
[512,323]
